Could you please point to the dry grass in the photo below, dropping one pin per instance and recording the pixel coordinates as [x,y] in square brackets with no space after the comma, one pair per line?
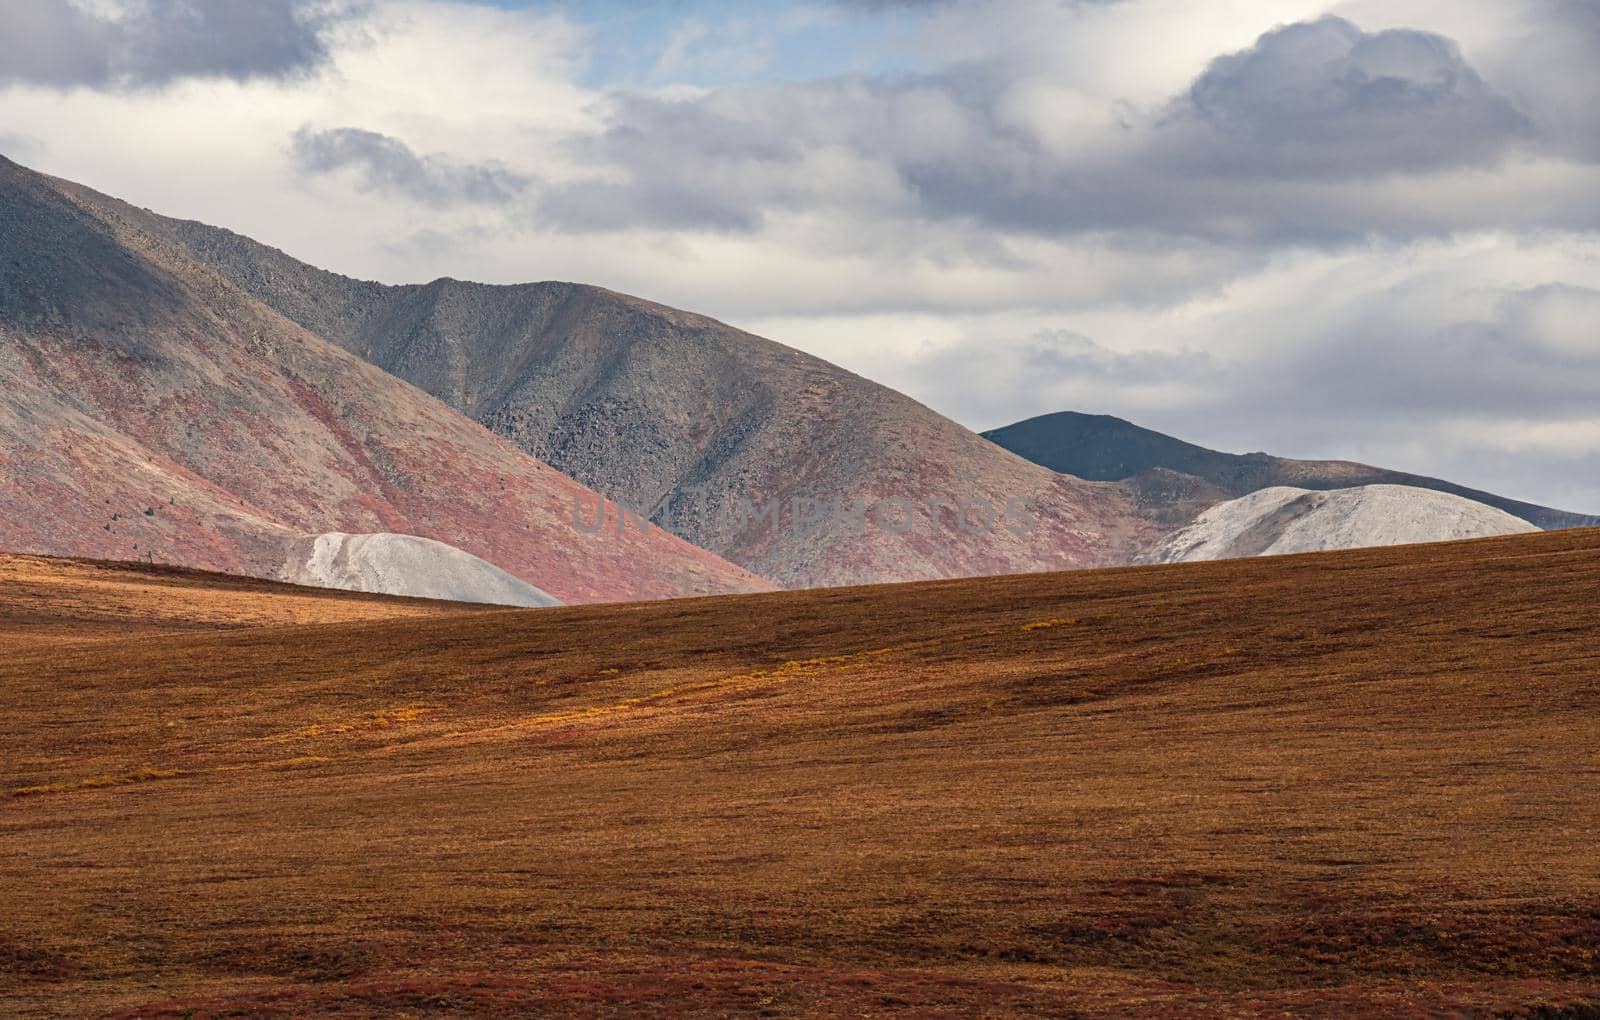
[46,600]
[1330,785]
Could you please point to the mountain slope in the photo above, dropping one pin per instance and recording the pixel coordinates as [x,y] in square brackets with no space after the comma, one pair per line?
[149,409]
[1282,520]
[1354,784]
[1105,448]
[702,426]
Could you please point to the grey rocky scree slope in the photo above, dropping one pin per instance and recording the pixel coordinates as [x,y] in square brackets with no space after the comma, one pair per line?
[690,421]
[1101,447]
[150,409]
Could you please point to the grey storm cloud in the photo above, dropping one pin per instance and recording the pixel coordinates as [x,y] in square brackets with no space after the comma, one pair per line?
[1324,97]
[148,43]
[1558,75]
[1264,146]
[387,164]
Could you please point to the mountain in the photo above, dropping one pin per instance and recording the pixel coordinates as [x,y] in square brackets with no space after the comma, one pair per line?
[214,401]
[1100,447]
[1352,784]
[1281,520]
[406,565]
[150,409]
[701,426]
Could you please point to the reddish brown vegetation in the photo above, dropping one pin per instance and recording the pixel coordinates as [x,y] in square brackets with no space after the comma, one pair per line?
[1352,783]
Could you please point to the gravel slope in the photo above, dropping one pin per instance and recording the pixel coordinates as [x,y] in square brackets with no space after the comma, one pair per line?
[1282,520]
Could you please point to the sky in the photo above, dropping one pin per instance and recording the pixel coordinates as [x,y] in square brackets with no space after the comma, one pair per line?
[1366,229]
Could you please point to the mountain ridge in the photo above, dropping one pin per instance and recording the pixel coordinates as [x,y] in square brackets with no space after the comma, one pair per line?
[153,409]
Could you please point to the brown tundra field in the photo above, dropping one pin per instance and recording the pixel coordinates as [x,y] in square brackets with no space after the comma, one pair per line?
[1347,784]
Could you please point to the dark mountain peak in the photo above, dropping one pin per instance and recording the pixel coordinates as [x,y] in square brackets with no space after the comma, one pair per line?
[1104,448]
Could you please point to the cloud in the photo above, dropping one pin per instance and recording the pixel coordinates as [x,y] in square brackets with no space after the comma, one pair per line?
[1531,353]
[1324,98]
[893,5]
[1310,135]
[1052,357]
[928,5]
[149,43]
[20,148]
[1499,396]
[67,46]
[1562,322]
[1517,362]
[995,381]
[386,164]
[1551,69]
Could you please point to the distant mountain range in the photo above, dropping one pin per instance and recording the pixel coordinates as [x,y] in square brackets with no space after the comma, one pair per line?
[175,392]
[1103,448]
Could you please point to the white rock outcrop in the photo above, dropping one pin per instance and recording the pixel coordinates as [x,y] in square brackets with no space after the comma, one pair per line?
[1288,520]
[406,565]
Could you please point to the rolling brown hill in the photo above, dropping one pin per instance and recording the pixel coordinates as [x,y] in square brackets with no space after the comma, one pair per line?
[149,409]
[51,599]
[1344,784]
[700,425]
